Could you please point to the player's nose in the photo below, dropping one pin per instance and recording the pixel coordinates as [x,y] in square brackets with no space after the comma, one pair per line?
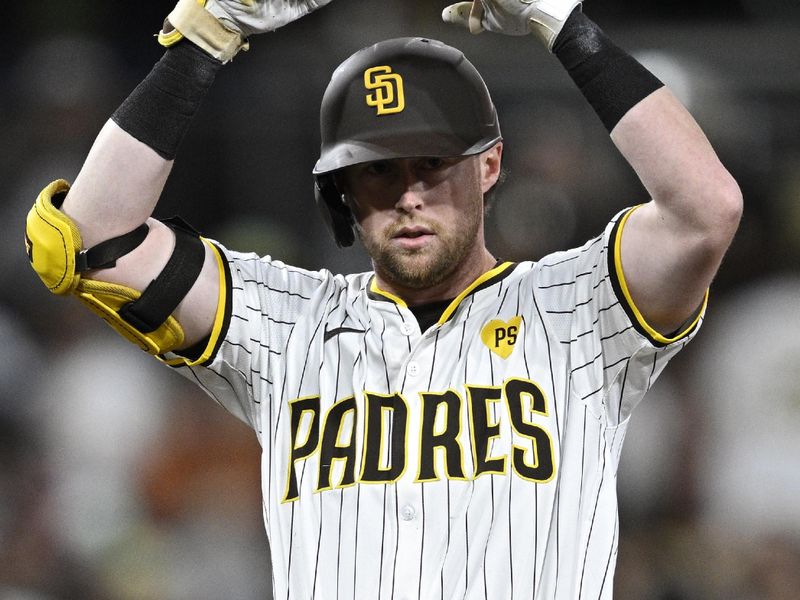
[410,188]
[409,201]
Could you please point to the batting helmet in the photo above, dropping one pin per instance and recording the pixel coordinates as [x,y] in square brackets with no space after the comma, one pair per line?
[400,98]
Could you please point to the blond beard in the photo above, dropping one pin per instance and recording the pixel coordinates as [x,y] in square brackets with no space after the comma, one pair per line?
[422,268]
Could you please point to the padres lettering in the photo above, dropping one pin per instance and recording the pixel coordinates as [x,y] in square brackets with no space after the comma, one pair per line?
[388,96]
[331,437]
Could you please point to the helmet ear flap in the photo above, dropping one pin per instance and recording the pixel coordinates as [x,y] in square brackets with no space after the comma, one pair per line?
[335,213]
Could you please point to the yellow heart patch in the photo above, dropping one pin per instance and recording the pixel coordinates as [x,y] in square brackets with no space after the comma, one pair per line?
[500,336]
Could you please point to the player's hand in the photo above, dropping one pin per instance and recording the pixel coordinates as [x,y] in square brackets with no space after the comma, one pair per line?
[543,18]
[222,27]
[259,16]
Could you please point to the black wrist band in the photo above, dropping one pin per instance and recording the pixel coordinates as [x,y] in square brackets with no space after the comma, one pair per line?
[610,79]
[159,111]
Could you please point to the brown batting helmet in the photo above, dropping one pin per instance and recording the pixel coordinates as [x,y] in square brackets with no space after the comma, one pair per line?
[400,98]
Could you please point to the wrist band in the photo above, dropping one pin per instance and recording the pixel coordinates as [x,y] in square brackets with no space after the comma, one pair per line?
[610,79]
[159,111]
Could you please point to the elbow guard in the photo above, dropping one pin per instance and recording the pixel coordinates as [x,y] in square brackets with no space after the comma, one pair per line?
[56,253]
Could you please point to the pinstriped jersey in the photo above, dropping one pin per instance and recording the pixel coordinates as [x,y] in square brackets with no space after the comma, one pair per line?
[474,459]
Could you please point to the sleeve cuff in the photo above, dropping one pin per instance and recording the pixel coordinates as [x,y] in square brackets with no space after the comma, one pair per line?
[623,294]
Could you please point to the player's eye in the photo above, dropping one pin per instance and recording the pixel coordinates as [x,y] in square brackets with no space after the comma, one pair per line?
[432,163]
[379,167]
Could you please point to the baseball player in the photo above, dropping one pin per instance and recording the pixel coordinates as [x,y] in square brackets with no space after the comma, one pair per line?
[448,425]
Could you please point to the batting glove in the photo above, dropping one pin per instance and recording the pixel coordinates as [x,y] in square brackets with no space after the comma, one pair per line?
[543,18]
[221,27]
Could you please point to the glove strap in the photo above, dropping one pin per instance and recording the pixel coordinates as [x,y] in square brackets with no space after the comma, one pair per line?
[610,79]
[550,18]
[191,20]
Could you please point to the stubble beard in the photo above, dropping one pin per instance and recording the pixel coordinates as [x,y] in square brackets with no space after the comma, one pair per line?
[420,268]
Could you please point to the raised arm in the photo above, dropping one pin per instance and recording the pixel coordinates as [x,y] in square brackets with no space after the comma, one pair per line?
[124,174]
[157,285]
[672,246]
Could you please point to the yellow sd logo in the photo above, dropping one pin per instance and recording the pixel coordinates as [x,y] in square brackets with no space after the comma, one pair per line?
[388,96]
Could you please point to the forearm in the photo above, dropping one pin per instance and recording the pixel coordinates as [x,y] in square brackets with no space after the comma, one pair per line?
[671,247]
[157,285]
[653,131]
[127,167]
[677,165]
[124,174]
[118,186]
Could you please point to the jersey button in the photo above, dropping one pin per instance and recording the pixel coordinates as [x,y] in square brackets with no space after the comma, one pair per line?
[406,329]
[413,369]
[407,513]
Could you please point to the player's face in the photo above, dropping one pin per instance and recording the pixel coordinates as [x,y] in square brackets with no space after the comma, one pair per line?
[421,219]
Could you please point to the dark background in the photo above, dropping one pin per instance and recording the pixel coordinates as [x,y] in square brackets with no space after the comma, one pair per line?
[122,481]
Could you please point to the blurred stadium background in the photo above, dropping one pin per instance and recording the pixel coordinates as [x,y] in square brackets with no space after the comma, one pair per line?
[121,481]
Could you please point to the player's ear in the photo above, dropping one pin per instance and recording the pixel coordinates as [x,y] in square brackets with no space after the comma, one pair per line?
[490,165]
[340,180]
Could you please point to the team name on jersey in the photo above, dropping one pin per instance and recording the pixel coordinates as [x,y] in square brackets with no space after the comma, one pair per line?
[331,436]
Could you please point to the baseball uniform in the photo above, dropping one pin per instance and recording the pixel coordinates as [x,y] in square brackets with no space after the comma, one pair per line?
[475,458]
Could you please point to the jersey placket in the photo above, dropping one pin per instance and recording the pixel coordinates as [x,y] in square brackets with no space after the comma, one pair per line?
[413,378]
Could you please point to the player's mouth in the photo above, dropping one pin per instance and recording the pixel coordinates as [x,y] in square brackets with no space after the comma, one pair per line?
[413,237]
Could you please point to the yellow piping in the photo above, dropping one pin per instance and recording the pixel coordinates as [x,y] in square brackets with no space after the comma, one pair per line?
[658,337]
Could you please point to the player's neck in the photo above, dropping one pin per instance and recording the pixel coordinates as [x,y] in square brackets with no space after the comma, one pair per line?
[452,286]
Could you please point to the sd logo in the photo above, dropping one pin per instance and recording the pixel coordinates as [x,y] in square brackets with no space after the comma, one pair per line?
[388,97]
[500,336]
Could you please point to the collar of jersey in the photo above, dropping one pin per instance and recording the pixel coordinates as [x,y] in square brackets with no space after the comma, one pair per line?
[491,277]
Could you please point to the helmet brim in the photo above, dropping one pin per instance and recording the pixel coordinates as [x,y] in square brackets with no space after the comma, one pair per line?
[354,152]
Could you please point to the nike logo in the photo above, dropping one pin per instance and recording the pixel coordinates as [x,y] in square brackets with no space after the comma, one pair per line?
[330,333]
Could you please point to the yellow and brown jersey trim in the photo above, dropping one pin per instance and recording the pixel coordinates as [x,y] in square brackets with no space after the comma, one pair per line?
[376,293]
[222,318]
[498,273]
[620,287]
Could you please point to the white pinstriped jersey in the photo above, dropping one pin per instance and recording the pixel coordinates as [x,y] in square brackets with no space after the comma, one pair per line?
[476,459]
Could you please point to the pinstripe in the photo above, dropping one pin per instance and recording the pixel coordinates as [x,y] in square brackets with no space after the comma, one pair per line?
[591,529]
[611,553]
[535,540]
[383,538]
[486,545]
[403,318]
[510,541]
[447,545]
[291,545]
[622,394]
[583,452]
[558,427]
[383,356]
[297,394]
[397,538]
[319,545]
[573,341]
[307,354]
[466,550]
[208,389]
[275,290]
[355,549]
[319,539]
[422,544]
[339,546]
